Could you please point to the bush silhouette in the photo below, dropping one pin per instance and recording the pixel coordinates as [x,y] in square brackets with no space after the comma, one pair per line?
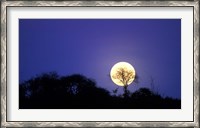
[50,91]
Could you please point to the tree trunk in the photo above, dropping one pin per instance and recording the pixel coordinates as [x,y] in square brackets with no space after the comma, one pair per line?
[126,91]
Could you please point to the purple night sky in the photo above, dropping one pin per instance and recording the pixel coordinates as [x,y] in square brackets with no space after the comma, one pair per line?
[92,46]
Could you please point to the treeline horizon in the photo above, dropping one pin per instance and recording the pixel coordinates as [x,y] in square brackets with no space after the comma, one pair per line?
[51,91]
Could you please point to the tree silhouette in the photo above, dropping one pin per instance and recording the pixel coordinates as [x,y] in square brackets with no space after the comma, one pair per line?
[125,76]
[50,91]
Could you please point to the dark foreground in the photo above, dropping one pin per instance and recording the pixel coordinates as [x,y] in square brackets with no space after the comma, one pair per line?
[49,91]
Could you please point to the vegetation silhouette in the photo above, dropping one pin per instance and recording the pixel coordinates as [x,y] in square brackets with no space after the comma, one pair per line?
[125,76]
[50,91]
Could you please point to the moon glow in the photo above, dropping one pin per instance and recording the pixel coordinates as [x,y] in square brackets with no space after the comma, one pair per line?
[122,74]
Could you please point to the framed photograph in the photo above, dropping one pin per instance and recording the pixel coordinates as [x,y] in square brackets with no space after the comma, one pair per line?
[100,64]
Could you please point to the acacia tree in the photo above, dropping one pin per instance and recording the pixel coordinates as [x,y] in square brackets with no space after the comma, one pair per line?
[125,76]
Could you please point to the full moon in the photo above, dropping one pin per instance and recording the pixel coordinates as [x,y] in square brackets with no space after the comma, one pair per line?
[122,73]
